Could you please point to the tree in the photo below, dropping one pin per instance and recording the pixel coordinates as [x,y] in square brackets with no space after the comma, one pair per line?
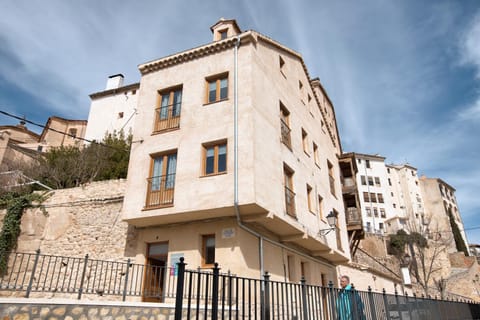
[426,249]
[72,166]
[457,236]
[118,154]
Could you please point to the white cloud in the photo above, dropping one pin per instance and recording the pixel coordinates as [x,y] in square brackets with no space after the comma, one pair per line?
[470,113]
[470,44]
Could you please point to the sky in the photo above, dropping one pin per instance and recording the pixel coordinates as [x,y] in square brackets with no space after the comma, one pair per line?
[404,76]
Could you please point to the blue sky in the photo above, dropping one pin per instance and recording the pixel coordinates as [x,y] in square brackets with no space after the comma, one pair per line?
[404,76]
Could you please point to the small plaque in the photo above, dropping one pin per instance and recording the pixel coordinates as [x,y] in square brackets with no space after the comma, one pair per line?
[228,233]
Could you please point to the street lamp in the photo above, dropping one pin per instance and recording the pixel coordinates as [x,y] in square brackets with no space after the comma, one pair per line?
[332,222]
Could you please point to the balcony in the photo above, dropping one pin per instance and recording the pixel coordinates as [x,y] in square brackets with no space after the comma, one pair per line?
[348,185]
[167,117]
[353,216]
[160,191]
[290,202]
[286,139]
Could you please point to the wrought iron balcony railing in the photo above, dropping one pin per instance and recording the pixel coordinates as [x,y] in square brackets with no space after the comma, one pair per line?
[160,190]
[286,139]
[290,202]
[167,117]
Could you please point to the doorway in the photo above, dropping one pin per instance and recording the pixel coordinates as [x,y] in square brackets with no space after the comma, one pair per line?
[155,272]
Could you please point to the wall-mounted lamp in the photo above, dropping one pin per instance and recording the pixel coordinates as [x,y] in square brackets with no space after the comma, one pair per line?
[332,222]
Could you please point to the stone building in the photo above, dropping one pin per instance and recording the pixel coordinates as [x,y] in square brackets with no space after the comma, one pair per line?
[13,152]
[237,162]
[441,208]
[19,139]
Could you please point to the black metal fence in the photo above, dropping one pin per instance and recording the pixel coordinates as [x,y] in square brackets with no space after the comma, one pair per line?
[35,272]
[212,295]
[231,297]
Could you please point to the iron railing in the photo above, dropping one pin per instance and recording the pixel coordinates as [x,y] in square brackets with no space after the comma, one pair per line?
[353,216]
[290,202]
[285,130]
[160,190]
[214,295]
[167,117]
[35,272]
[231,297]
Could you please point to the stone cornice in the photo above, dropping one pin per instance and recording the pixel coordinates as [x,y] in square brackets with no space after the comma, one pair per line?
[219,46]
[191,54]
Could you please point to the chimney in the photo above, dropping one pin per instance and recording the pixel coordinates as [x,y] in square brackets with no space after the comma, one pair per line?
[115,81]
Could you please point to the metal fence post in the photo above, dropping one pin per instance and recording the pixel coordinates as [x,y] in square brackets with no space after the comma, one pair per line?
[30,283]
[124,296]
[80,290]
[304,298]
[373,312]
[399,307]
[265,307]
[385,303]
[216,270]
[409,308]
[179,293]
[333,312]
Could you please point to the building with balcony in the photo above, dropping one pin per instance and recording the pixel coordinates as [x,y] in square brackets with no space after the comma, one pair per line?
[235,161]
[375,201]
[351,199]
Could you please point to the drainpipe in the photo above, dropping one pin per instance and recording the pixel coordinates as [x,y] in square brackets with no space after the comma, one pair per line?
[235,177]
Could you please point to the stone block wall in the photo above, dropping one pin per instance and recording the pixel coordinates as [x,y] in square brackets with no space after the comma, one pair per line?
[79,221]
[72,311]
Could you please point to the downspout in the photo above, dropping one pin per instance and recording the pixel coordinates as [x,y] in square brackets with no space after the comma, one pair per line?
[235,159]
[235,177]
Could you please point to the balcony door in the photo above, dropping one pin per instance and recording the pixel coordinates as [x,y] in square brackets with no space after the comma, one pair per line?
[168,113]
[161,184]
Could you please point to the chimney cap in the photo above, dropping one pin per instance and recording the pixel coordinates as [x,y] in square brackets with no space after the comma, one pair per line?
[224,21]
[116,75]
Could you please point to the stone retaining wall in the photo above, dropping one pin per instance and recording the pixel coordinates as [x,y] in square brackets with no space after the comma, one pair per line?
[73,311]
[79,221]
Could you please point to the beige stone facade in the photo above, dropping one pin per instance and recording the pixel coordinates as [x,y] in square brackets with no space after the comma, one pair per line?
[62,132]
[251,100]
[13,153]
[20,146]
[440,200]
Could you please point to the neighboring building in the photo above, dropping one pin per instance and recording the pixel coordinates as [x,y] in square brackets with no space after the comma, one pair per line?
[475,250]
[375,202]
[19,146]
[113,109]
[442,209]
[61,132]
[351,199]
[12,151]
[407,212]
[231,166]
